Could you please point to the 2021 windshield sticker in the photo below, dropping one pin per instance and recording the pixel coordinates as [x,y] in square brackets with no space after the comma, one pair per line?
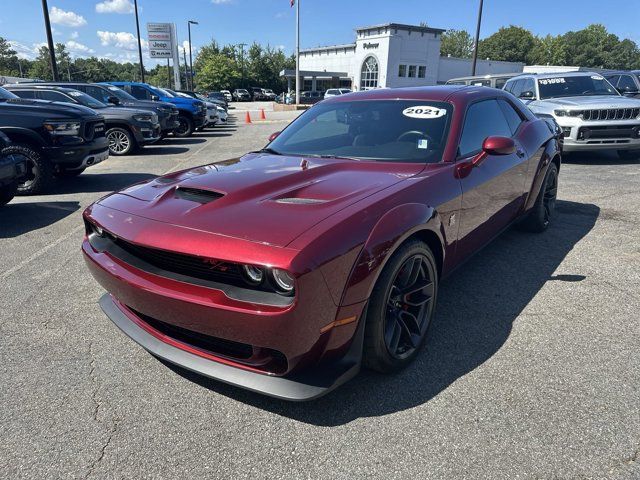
[424,112]
[551,81]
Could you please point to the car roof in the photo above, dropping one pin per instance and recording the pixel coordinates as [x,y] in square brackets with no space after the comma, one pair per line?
[485,77]
[557,74]
[38,86]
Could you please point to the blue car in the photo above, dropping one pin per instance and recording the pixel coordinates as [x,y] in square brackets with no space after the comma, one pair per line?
[192,112]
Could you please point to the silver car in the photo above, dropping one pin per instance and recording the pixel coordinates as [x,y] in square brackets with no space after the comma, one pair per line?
[590,111]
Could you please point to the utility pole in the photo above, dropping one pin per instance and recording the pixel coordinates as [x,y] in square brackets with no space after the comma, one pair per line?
[135,4]
[186,73]
[52,52]
[297,52]
[242,45]
[189,23]
[475,47]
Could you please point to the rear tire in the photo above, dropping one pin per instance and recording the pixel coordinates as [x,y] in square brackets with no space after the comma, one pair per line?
[121,141]
[542,212]
[628,154]
[185,127]
[39,174]
[401,308]
[7,193]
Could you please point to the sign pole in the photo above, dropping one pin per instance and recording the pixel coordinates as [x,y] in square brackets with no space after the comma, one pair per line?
[297,52]
[176,57]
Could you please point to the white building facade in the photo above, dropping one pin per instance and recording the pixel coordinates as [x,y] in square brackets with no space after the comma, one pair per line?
[388,55]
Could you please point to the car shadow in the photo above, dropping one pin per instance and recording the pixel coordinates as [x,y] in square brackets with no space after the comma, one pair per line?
[19,218]
[606,157]
[211,134]
[477,306]
[182,141]
[96,182]
[161,149]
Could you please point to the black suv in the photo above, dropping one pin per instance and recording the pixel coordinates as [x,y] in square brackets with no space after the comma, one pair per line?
[13,167]
[109,94]
[127,128]
[56,138]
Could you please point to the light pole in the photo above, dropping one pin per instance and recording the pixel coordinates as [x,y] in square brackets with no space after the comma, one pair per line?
[52,52]
[298,52]
[475,47]
[135,3]
[189,23]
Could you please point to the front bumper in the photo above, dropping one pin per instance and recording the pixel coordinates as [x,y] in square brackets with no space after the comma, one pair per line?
[581,136]
[147,133]
[169,123]
[78,156]
[312,384]
[200,119]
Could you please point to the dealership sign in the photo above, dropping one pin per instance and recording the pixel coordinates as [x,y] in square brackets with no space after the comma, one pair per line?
[161,41]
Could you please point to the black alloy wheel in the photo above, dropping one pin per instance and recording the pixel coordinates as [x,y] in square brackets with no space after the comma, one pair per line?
[185,127]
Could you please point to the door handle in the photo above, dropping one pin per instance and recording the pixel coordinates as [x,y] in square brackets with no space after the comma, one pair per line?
[520,153]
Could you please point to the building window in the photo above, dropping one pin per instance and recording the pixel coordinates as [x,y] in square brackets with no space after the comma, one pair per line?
[422,71]
[402,71]
[369,74]
[412,71]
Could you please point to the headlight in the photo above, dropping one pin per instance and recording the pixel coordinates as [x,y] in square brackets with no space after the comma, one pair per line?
[253,275]
[561,113]
[143,117]
[283,280]
[62,127]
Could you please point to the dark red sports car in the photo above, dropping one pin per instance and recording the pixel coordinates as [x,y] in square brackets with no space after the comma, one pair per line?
[285,270]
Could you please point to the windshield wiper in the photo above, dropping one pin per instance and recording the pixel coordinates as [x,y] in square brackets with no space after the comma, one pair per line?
[267,150]
[337,157]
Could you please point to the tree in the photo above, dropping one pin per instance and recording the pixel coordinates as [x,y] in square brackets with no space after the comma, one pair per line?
[549,50]
[456,43]
[509,44]
[8,59]
[63,59]
[590,47]
[41,66]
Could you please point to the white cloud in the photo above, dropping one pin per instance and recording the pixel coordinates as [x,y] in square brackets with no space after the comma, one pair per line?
[26,51]
[187,49]
[114,6]
[125,40]
[78,48]
[68,19]
[74,35]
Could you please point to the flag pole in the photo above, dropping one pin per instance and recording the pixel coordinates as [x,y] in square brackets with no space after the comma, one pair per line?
[297,52]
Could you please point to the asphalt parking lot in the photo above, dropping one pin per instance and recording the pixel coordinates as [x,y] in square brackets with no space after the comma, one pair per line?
[532,370]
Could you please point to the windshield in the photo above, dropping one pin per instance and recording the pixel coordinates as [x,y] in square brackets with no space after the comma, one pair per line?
[384,130]
[121,94]
[6,94]
[161,92]
[85,99]
[575,86]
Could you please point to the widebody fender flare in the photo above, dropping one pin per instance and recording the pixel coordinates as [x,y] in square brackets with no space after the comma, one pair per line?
[551,154]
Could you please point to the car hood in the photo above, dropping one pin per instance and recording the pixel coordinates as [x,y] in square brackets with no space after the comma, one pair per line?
[121,112]
[46,107]
[271,199]
[594,102]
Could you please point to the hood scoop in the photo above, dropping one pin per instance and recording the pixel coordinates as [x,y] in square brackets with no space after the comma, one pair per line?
[300,201]
[197,195]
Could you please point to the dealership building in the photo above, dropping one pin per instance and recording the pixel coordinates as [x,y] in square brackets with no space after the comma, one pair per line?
[388,55]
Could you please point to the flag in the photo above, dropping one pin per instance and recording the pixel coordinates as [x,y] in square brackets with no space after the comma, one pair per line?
[293,2]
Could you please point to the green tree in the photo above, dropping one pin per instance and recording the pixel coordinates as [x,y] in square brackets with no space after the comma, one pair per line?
[8,59]
[41,67]
[509,44]
[456,43]
[590,47]
[549,50]
[217,68]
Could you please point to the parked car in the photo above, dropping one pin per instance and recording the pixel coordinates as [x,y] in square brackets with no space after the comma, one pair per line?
[227,95]
[310,97]
[257,94]
[192,112]
[496,80]
[110,95]
[627,83]
[285,270]
[241,95]
[127,129]
[57,139]
[268,94]
[13,166]
[591,112]
[334,92]
[212,108]
[219,98]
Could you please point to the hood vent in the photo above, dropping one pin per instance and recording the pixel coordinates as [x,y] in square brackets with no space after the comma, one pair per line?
[197,195]
[300,201]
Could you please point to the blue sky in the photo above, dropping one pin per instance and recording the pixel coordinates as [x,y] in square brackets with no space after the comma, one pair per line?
[107,28]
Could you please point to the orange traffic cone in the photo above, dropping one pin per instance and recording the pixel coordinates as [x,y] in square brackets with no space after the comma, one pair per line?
[247,118]
[262,115]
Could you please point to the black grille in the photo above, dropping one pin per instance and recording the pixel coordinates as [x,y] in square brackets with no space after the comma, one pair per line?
[197,195]
[190,265]
[611,114]
[93,130]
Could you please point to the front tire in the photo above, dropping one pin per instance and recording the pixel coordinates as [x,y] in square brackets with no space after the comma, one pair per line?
[543,210]
[185,127]
[7,193]
[39,174]
[121,141]
[401,308]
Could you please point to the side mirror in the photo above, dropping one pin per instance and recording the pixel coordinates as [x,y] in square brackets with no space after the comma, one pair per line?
[155,98]
[113,100]
[499,146]
[273,136]
[527,95]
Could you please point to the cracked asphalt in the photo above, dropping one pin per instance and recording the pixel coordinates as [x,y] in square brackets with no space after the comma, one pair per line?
[532,369]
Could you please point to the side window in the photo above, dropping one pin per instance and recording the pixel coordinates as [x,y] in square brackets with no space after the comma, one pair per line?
[626,84]
[25,93]
[96,92]
[513,117]
[53,96]
[528,86]
[483,120]
[613,80]
[500,82]
[516,88]
[140,93]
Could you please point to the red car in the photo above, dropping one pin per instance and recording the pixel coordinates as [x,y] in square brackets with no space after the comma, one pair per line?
[285,270]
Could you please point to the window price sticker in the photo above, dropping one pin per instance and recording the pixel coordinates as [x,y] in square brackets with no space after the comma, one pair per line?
[551,81]
[424,112]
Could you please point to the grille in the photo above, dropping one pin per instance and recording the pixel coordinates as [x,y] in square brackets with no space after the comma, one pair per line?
[197,195]
[611,114]
[197,267]
[93,130]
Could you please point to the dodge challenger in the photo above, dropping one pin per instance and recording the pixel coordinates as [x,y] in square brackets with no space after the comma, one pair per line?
[289,269]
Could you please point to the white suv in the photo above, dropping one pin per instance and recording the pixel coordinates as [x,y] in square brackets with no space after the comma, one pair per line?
[590,111]
[334,92]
